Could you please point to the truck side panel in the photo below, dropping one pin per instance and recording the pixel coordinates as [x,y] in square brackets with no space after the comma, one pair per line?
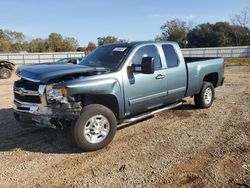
[197,71]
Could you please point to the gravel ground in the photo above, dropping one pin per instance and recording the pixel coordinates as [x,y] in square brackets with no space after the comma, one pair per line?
[184,147]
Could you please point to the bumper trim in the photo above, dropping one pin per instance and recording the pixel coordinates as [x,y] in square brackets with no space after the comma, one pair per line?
[31,108]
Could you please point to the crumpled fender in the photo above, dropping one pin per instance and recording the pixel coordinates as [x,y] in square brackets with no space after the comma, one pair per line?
[101,86]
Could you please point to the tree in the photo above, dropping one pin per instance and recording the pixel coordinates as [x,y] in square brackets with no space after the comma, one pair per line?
[12,41]
[91,46]
[218,34]
[242,19]
[56,43]
[15,37]
[108,40]
[18,47]
[37,45]
[69,44]
[174,30]
[5,45]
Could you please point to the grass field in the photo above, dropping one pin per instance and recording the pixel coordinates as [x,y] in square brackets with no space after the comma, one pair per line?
[237,61]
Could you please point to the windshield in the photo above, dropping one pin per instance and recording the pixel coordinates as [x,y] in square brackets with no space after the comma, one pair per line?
[108,57]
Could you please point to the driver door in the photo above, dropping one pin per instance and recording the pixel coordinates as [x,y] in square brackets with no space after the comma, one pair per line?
[143,92]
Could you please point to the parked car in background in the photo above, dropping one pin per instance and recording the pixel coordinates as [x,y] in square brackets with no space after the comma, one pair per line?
[115,84]
[6,69]
[73,60]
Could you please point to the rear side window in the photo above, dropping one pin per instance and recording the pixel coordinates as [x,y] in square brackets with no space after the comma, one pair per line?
[170,55]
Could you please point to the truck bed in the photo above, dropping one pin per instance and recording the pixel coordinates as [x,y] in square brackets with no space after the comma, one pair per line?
[200,67]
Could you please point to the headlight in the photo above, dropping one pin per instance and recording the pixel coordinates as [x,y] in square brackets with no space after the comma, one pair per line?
[56,95]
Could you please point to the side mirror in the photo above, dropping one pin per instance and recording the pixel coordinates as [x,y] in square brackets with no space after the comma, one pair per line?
[147,65]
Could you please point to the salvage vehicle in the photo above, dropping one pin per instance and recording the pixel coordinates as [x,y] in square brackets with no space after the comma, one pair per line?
[115,84]
[6,69]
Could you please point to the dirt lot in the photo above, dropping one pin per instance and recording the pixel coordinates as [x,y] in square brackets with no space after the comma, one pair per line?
[184,147]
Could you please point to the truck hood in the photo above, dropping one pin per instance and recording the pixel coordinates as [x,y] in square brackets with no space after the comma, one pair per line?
[42,73]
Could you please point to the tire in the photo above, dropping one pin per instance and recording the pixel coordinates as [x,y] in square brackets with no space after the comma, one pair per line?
[89,133]
[205,98]
[5,73]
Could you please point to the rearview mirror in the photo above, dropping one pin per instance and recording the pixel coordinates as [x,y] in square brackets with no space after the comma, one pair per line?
[147,65]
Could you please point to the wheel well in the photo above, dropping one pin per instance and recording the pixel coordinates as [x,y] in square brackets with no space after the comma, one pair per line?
[109,101]
[212,78]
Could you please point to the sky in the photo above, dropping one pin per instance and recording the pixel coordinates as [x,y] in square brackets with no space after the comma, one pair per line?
[86,20]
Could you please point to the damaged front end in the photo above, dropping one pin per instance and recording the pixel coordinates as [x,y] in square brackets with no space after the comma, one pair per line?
[43,105]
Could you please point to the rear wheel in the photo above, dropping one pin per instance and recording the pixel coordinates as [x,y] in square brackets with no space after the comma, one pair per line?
[5,73]
[95,128]
[205,98]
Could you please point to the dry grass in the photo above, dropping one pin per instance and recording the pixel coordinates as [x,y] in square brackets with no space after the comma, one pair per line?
[237,61]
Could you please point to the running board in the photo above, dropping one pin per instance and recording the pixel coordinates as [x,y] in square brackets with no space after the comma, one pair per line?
[149,114]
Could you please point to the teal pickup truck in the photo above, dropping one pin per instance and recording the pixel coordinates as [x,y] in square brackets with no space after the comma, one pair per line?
[115,84]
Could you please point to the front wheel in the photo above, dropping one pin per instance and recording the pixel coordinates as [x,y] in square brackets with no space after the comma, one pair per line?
[95,128]
[205,98]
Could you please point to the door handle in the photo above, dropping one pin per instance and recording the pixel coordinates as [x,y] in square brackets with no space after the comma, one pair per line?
[159,77]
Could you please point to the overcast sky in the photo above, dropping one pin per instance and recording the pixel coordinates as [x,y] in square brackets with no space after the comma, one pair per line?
[127,19]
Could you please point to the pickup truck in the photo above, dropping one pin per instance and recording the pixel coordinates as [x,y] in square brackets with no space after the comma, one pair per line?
[115,84]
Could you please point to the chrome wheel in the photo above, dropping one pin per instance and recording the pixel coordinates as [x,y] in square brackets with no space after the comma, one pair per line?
[96,129]
[208,95]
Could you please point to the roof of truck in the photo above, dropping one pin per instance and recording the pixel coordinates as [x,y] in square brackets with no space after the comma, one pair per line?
[136,43]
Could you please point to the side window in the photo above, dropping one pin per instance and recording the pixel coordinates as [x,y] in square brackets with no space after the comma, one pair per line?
[147,51]
[170,55]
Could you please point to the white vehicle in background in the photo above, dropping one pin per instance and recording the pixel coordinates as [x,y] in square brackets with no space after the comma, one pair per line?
[73,60]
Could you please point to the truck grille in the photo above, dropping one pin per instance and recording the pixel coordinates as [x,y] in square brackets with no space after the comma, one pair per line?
[25,84]
[27,91]
[28,98]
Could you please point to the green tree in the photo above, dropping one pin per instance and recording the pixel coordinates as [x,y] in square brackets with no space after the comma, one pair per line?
[174,30]
[108,40]
[217,35]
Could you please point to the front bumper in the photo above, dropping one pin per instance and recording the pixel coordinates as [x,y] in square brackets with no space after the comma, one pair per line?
[31,120]
[29,114]
[31,107]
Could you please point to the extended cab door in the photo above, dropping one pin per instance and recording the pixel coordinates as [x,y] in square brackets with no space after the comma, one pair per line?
[143,92]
